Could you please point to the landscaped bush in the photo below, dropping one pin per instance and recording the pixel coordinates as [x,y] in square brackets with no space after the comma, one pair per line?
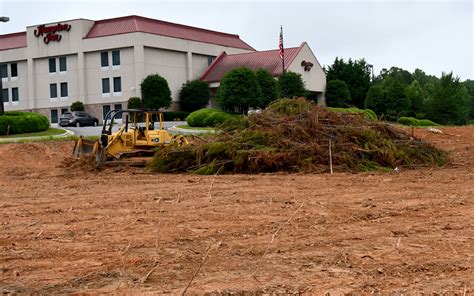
[22,122]
[369,114]
[207,117]
[134,102]
[77,106]
[175,116]
[416,122]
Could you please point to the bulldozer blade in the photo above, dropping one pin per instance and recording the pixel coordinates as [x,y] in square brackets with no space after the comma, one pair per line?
[85,147]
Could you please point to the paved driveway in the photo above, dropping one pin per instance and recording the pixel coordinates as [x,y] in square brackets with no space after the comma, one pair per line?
[95,131]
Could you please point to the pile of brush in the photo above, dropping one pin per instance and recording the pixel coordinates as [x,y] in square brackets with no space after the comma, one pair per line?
[296,135]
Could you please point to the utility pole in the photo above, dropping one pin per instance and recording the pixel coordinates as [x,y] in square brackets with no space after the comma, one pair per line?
[3,19]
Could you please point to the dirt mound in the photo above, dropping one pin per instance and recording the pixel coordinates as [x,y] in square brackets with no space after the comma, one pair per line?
[295,135]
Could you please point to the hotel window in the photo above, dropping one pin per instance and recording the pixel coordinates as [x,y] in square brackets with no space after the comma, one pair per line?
[105,110]
[64,110]
[54,115]
[5,95]
[14,70]
[118,107]
[53,90]
[52,65]
[210,60]
[104,59]
[15,97]
[63,89]
[116,58]
[105,85]
[4,70]
[62,64]
[117,84]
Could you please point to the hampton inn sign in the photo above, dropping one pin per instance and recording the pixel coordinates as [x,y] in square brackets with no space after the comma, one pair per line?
[50,33]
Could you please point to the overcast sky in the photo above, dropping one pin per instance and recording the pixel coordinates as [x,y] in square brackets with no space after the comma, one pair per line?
[434,36]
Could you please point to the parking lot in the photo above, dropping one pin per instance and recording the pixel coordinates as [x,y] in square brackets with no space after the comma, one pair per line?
[95,130]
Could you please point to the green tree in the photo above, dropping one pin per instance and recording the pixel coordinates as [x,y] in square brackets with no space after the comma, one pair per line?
[77,106]
[449,103]
[356,74]
[268,85]
[194,95]
[416,97]
[337,94]
[388,98]
[398,74]
[134,103]
[239,90]
[155,92]
[291,85]
[376,99]
[470,88]
[397,103]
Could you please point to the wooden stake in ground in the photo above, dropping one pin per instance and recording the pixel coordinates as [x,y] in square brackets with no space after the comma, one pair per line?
[197,270]
[212,183]
[330,156]
[273,238]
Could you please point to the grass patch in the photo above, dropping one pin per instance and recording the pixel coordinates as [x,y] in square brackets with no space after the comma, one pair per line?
[187,127]
[49,132]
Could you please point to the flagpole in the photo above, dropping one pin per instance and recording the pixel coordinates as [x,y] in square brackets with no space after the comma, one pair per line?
[282,50]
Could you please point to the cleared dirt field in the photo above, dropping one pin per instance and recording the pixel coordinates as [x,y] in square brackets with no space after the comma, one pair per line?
[66,228]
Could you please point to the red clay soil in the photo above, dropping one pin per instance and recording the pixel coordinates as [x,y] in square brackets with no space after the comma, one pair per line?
[68,228]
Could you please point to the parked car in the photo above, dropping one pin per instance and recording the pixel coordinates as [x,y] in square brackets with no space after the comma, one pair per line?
[77,118]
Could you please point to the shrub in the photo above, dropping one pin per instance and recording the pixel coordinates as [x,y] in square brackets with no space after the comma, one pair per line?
[134,102]
[175,115]
[207,117]
[268,85]
[291,85]
[155,92]
[194,95]
[239,90]
[22,122]
[77,106]
[410,121]
[337,94]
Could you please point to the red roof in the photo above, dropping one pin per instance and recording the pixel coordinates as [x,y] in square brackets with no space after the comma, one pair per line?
[13,40]
[133,23]
[268,60]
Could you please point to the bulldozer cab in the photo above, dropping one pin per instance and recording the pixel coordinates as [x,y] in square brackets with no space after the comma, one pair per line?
[133,118]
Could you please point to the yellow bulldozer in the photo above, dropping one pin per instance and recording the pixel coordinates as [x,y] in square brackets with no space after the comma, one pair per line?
[134,143]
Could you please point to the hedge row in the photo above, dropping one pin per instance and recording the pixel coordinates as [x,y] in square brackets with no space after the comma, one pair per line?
[207,118]
[15,122]
[411,121]
[175,115]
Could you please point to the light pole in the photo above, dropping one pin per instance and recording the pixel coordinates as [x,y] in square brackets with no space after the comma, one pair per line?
[3,19]
[372,69]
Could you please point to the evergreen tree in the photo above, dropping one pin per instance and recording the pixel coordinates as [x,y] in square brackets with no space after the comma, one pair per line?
[268,85]
[291,85]
[337,94]
[239,90]
[449,103]
[155,92]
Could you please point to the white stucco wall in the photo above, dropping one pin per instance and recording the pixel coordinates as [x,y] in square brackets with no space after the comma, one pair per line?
[315,79]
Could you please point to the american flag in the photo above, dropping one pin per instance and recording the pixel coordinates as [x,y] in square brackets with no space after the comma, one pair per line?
[281,43]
